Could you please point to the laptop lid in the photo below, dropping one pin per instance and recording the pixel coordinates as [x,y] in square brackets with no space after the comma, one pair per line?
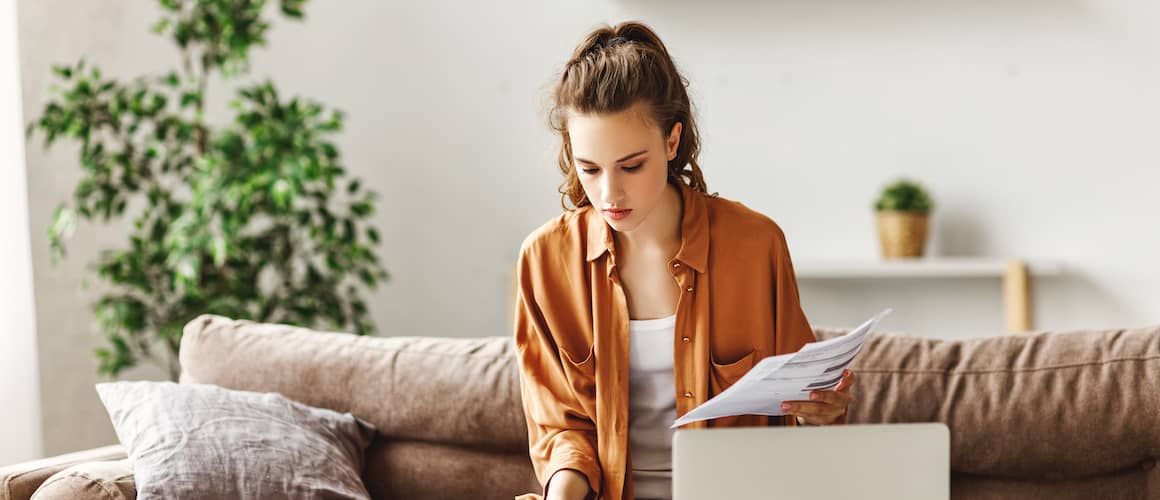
[864,461]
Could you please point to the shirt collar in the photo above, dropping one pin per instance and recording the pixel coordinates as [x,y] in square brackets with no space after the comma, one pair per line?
[694,250]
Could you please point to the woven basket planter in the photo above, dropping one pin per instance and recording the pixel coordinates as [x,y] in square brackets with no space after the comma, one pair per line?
[902,234]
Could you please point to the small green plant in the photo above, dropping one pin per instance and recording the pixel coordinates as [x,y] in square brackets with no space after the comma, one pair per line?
[255,218]
[904,195]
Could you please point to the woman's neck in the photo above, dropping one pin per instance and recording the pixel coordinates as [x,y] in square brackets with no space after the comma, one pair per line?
[661,232]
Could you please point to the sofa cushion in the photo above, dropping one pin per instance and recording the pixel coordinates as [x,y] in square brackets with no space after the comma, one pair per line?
[1042,405]
[202,441]
[1140,483]
[19,481]
[418,470]
[101,480]
[458,391]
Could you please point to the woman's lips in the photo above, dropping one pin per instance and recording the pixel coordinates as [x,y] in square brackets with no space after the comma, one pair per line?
[618,214]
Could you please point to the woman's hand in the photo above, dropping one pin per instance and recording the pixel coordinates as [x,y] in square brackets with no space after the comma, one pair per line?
[567,484]
[824,407]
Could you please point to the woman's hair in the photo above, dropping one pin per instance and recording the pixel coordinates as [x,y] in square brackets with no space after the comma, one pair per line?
[611,70]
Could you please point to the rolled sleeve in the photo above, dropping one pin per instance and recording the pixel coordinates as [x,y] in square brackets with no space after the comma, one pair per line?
[584,464]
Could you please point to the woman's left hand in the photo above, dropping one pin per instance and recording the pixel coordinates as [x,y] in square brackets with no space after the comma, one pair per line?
[824,407]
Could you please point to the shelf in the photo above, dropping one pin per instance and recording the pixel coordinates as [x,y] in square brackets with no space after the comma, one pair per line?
[926,267]
[1016,275]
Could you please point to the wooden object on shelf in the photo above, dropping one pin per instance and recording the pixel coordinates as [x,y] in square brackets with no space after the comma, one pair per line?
[1017,297]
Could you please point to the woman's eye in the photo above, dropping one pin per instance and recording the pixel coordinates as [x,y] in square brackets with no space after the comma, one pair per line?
[633,168]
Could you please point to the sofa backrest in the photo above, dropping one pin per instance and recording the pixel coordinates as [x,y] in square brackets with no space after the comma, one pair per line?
[447,410]
[1042,415]
[1035,405]
[1026,407]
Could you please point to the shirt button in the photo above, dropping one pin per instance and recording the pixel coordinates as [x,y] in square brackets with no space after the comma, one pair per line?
[685,339]
[689,289]
[688,394]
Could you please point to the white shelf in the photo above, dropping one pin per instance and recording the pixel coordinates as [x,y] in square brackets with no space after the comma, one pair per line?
[926,267]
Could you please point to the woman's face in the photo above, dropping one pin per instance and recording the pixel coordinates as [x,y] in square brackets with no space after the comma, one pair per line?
[622,160]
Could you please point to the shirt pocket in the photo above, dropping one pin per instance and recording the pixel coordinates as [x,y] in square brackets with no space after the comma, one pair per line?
[580,370]
[723,375]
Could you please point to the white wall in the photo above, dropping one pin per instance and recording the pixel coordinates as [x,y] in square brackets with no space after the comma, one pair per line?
[19,381]
[1033,121]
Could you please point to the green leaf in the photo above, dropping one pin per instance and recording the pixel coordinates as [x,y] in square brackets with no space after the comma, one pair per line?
[190,99]
[64,223]
[292,12]
[62,71]
[160,26]
[281,193]
[219,250]
[362,208]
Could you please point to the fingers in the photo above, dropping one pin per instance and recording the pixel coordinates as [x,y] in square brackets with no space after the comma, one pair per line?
[847,380]
[824,400]
[824,406]
[839,399]
[816,413]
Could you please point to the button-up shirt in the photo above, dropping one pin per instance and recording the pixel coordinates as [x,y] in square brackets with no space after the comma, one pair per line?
[738,304]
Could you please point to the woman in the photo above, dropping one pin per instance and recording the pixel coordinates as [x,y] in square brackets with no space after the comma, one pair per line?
[650,296]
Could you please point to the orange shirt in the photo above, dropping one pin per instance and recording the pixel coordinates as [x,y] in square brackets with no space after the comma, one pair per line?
[739,304]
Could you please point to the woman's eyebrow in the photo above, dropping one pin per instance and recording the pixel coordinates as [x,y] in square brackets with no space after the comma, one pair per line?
[629,157]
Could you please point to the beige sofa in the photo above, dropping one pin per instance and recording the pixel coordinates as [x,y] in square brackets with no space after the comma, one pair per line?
[1059,415]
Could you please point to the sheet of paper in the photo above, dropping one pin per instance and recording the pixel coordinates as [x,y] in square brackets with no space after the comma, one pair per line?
[817,366]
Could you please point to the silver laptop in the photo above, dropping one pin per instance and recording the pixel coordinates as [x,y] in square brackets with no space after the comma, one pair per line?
[867,462]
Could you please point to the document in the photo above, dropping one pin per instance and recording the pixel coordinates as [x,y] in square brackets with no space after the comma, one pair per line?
[788,377]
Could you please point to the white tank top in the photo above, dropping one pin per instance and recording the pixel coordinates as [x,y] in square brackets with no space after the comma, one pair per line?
[652,405]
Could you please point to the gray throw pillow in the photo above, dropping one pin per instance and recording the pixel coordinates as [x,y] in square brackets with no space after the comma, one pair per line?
[193,441]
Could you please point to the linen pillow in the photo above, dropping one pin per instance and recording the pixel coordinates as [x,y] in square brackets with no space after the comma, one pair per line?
[194,441]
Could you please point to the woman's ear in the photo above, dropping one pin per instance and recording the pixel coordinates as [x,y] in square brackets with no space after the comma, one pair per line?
[674,140]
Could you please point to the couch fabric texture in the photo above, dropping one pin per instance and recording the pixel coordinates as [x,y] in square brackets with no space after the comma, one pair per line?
[1043,415]
[20,481]
[112,479]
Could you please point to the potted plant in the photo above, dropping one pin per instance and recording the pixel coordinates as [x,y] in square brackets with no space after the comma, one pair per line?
[903,215]
[254,218]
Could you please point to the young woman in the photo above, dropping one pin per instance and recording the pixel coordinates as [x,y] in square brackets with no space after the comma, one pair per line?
[650,296]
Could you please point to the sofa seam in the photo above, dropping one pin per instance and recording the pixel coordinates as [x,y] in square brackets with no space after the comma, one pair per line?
[403,351]
[1010,370]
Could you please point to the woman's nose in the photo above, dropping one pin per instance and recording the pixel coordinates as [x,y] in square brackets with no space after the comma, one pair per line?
[612,191]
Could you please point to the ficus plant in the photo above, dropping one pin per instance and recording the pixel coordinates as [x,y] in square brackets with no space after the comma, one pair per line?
[254,218]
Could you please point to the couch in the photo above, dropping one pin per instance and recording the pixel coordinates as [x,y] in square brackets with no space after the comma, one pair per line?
[1041,415]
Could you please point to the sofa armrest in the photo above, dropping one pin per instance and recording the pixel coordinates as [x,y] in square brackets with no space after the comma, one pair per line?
[19,481]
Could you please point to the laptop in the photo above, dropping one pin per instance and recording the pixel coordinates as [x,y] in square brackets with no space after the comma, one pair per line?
[863,461]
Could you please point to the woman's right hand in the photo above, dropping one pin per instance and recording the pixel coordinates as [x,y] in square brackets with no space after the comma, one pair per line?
[567,484]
